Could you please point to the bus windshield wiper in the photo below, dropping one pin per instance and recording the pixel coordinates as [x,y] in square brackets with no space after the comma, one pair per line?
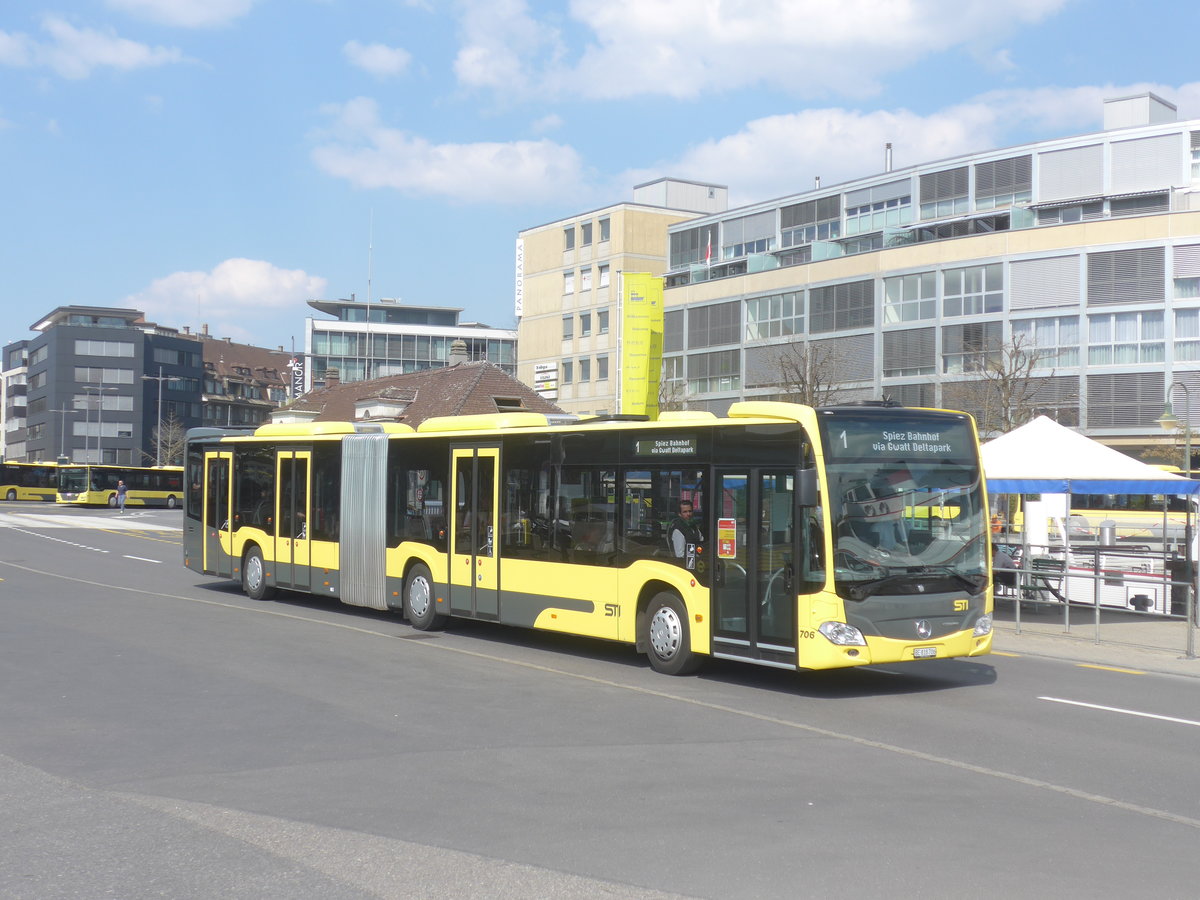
[864,589]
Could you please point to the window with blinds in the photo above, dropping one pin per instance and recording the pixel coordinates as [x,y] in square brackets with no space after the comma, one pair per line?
[911,352]
[709,326]
[1142,205]
[912,394]
[1003,182]
[944,193]
[748,234]
[1126,276]
[1041,283]
[1075,172]
[813,220]
[849,358]
[712,372]
[1146,164]
[968,347]
[1056,397]
[695,245]
[838,307]
[1127,400]
[672,330]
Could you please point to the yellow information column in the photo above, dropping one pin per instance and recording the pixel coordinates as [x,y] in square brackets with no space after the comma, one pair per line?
[641,343]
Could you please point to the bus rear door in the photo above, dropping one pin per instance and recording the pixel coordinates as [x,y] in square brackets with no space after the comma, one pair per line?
[753,554]
[292,540]
[218,501]
[474,549]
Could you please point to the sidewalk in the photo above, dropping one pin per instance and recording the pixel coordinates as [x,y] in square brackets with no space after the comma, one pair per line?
[1126,640]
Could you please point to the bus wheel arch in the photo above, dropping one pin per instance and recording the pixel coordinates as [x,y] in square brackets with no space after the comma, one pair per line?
[420,599]
[665,635]
[254,574]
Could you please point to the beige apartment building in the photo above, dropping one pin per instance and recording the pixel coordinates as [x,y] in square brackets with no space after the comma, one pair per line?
[568,274]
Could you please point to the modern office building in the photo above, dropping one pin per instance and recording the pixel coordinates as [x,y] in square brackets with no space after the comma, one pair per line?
[567,277]
[1084,251]
[367,340]
[96,383]
[92,383]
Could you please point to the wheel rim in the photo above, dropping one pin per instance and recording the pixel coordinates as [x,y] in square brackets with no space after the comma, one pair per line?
[12,495]
[170,503]
[666,632]
[418,596]
[254,572]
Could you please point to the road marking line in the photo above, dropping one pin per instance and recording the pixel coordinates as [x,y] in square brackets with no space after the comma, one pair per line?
[143,559]
[1002,653]
[1112,669]
[437,646]
[1126,712]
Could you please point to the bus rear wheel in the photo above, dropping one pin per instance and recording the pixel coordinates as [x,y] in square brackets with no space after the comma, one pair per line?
[254,576]
[11,495]
[667,637]
[171,502]
[419,600]
[112,501]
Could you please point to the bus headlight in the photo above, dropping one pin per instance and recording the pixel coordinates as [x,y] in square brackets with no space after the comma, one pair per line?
[983,626]
[842,634]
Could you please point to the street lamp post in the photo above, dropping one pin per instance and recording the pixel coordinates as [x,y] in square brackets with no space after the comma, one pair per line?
[99,389]
[160,378]
[62,431]
[1168,420]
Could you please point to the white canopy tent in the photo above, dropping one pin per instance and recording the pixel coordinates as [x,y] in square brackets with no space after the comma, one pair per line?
[1043,457]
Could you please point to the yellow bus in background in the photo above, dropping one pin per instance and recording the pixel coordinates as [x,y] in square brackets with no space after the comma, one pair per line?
[89,484]
[28,481]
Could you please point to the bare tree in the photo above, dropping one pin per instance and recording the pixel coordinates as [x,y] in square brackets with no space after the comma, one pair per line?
[170,438]
[672,385]
[1004,394]
[809,372]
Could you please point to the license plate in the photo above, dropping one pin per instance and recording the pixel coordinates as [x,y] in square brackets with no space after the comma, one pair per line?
[924,652]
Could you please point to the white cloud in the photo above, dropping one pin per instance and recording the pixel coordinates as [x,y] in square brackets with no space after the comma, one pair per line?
[185,13]
[368,154]
[501,42]
[686,48]
[74,52]
[229,298]
[378,59]
[780,155]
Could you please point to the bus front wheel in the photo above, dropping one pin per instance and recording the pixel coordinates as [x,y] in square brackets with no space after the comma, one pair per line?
[112,501]
[11,495]
[667,636]
[254,576]
[419,601]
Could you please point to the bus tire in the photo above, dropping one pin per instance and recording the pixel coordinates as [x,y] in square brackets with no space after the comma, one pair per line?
[172,502]
[254,576]
[112,501]
[419,602]
[667,637]
[11,495]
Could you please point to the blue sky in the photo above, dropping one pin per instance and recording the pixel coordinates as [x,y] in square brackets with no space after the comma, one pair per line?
[223,161]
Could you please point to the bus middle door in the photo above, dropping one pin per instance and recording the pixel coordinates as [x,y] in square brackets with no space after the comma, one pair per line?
[292,540]
[753,555]
[475,545]
[217,524]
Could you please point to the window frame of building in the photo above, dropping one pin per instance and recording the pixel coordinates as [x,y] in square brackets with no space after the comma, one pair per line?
[602,367]
[774,315]
[585,279]
[968,346]
[605,229]
[973,290]
[585,234]
[602,275]
[568,327]
[568,238]
[1111,335]
[585,369]
[945,193]
[602,321]
[813,220]
[910,298]
[843,306]
[585,324]
[568,372]
[1055,339]
[569,282]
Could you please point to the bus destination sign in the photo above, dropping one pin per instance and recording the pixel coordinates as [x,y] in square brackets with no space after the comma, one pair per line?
[663,446]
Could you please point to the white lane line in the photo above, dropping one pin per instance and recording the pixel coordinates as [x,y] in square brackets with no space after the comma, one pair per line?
[143,559]
[1125,712]
[47,537]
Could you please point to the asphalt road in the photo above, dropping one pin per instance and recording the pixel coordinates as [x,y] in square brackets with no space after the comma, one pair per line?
[163,736]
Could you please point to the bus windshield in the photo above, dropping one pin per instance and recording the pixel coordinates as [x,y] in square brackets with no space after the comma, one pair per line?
[72,479]
[906,502]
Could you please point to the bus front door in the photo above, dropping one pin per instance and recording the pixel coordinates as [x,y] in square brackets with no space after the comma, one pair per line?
[753,555]
[475,545]
[291,517]
[217,524]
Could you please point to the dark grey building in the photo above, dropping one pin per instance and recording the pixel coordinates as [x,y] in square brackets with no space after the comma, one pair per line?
[97,383]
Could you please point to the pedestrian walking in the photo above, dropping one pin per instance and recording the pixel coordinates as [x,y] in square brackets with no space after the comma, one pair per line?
[122,490]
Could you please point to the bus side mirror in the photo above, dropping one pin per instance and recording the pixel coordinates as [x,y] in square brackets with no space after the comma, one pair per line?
[806,488]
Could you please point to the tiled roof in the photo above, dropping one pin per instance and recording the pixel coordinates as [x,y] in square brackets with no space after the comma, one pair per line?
[468,388]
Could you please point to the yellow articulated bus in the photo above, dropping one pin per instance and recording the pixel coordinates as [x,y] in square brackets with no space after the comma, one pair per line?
[28,481]
[96,485]
[780,535]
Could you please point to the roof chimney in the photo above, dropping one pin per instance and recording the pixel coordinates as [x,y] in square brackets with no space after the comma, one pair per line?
[887,157]
[332,377]
[458,352]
